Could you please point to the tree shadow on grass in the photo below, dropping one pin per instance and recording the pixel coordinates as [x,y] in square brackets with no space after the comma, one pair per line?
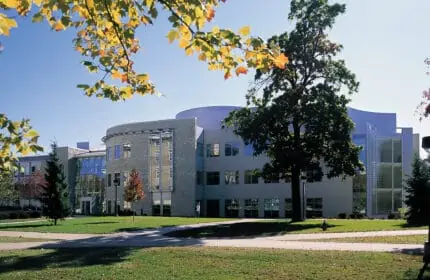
[100,223]
[63,257]
[243,230]
[137,229]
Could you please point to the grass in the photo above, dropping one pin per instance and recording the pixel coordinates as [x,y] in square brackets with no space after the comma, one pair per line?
[9,239]
[280,227]
[403,239]
[96,225]
[204,263]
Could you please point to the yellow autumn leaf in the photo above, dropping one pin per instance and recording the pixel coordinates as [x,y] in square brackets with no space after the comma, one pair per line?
[280,61]
[90,4]
[183,43]
[199,12]
[32,133]
[37,2]
[116,74]
[215,30]
[12,4]
[6,24]
[127,92]
[241,70]
[58,26]
[202,57]
[143,78]
[172,35]
[244,31]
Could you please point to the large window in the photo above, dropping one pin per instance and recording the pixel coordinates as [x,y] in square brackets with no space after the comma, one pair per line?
[232,208]
[231,149]
[212,150]
[288,208]
[249,150]
[271,208]
[251,208]
[212,178]
[397,151]
[231,177]
[117,152]
[200,150]
[126,148]
[108,153]
[314,207]
[109,180]
[117,179]
[251,177]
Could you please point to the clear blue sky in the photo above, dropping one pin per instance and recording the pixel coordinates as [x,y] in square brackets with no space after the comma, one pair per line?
[385,44]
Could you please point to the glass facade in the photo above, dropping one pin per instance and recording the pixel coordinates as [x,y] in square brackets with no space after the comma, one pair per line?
[212,150]
[314,207]
[271,208]
[161,170]
[231,177]
[90,184]
[251,177]
[251,208]
[231,149]
[232,208]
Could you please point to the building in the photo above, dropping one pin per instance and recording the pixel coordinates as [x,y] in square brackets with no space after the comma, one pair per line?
[190,166]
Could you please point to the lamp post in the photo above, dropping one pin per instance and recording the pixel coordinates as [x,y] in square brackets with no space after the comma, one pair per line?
[116,184]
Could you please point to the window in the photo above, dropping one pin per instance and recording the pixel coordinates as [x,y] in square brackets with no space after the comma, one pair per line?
[251,208]
[212,178]
[231,177]
[117,152]
[271,181]
[212,150]
[33,169]
[200,150]
[231,149]
[288,208]
[314,207]
[251,177]
[199,178]
[249,150]
[108,153]
[232,208]
[117,179]
[109,180]
[126,149]
[109,206]
[271,208]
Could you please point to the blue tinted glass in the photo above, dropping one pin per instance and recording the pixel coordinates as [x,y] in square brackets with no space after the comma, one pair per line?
[249,150]
[117,151]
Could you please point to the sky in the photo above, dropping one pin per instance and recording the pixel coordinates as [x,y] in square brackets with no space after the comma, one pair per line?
[385,44]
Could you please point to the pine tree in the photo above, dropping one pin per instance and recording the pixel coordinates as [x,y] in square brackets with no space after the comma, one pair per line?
[133,190]
[55,198]
[418,194]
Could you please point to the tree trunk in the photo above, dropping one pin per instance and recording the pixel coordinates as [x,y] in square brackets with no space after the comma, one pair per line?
[295,196]
[55,221]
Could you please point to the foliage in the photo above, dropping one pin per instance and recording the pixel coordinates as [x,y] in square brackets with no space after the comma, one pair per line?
[32,186]
[133,190]
[55,198]
[418,194]
[301,119]
[8,189]
[106,37]
[423,108]
[15,137]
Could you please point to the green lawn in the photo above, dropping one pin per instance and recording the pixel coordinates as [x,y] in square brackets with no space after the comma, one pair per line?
[406,239]
[106,224]
[279,227]
[7,239]
[204,263]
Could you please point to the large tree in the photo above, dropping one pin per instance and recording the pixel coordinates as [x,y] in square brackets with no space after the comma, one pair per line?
[55,198]
[300,121]
[418,194]
[133,190]
[106,38]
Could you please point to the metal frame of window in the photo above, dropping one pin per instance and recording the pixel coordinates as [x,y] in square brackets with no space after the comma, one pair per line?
[212,178]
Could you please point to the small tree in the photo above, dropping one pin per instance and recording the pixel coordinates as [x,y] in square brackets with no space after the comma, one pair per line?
[55,198]
[133,190]
[32,186]
[9,193]
[418,194]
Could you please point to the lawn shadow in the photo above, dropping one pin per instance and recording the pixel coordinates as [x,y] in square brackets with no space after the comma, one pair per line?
[100,223]
[64,257]
[137,229]
[243,230]
[18,226]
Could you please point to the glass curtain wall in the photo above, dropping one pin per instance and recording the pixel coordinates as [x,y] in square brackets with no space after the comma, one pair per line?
[161,170]
[90,185]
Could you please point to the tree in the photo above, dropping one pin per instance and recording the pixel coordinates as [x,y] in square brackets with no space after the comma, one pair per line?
[106,37]
[32,186]
[418,194]
[55,198]
[133,190]
[9,193]
[301,119]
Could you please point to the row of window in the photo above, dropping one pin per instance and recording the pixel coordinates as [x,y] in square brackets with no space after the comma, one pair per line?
[230,178]
[314,208]
[230,149]
[118,152]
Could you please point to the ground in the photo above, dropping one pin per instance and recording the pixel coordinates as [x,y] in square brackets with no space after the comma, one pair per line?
[406,239]
[96,225]
[280,227]
[204,263]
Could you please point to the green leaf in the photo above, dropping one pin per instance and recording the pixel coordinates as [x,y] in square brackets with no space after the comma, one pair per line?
[83,86]
[37,18]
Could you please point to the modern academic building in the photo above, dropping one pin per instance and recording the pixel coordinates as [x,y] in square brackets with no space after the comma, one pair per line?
[190,166]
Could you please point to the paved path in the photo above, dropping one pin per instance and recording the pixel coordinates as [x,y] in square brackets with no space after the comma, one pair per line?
[155,238]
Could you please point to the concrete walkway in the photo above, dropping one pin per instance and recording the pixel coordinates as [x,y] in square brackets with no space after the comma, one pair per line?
[155,238]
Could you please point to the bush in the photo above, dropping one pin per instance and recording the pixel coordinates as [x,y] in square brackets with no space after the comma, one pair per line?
[341,216]
[24,215]
[4,216]
[125,212]
[35,214]
[13,215]
[393,216]
[356,216]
